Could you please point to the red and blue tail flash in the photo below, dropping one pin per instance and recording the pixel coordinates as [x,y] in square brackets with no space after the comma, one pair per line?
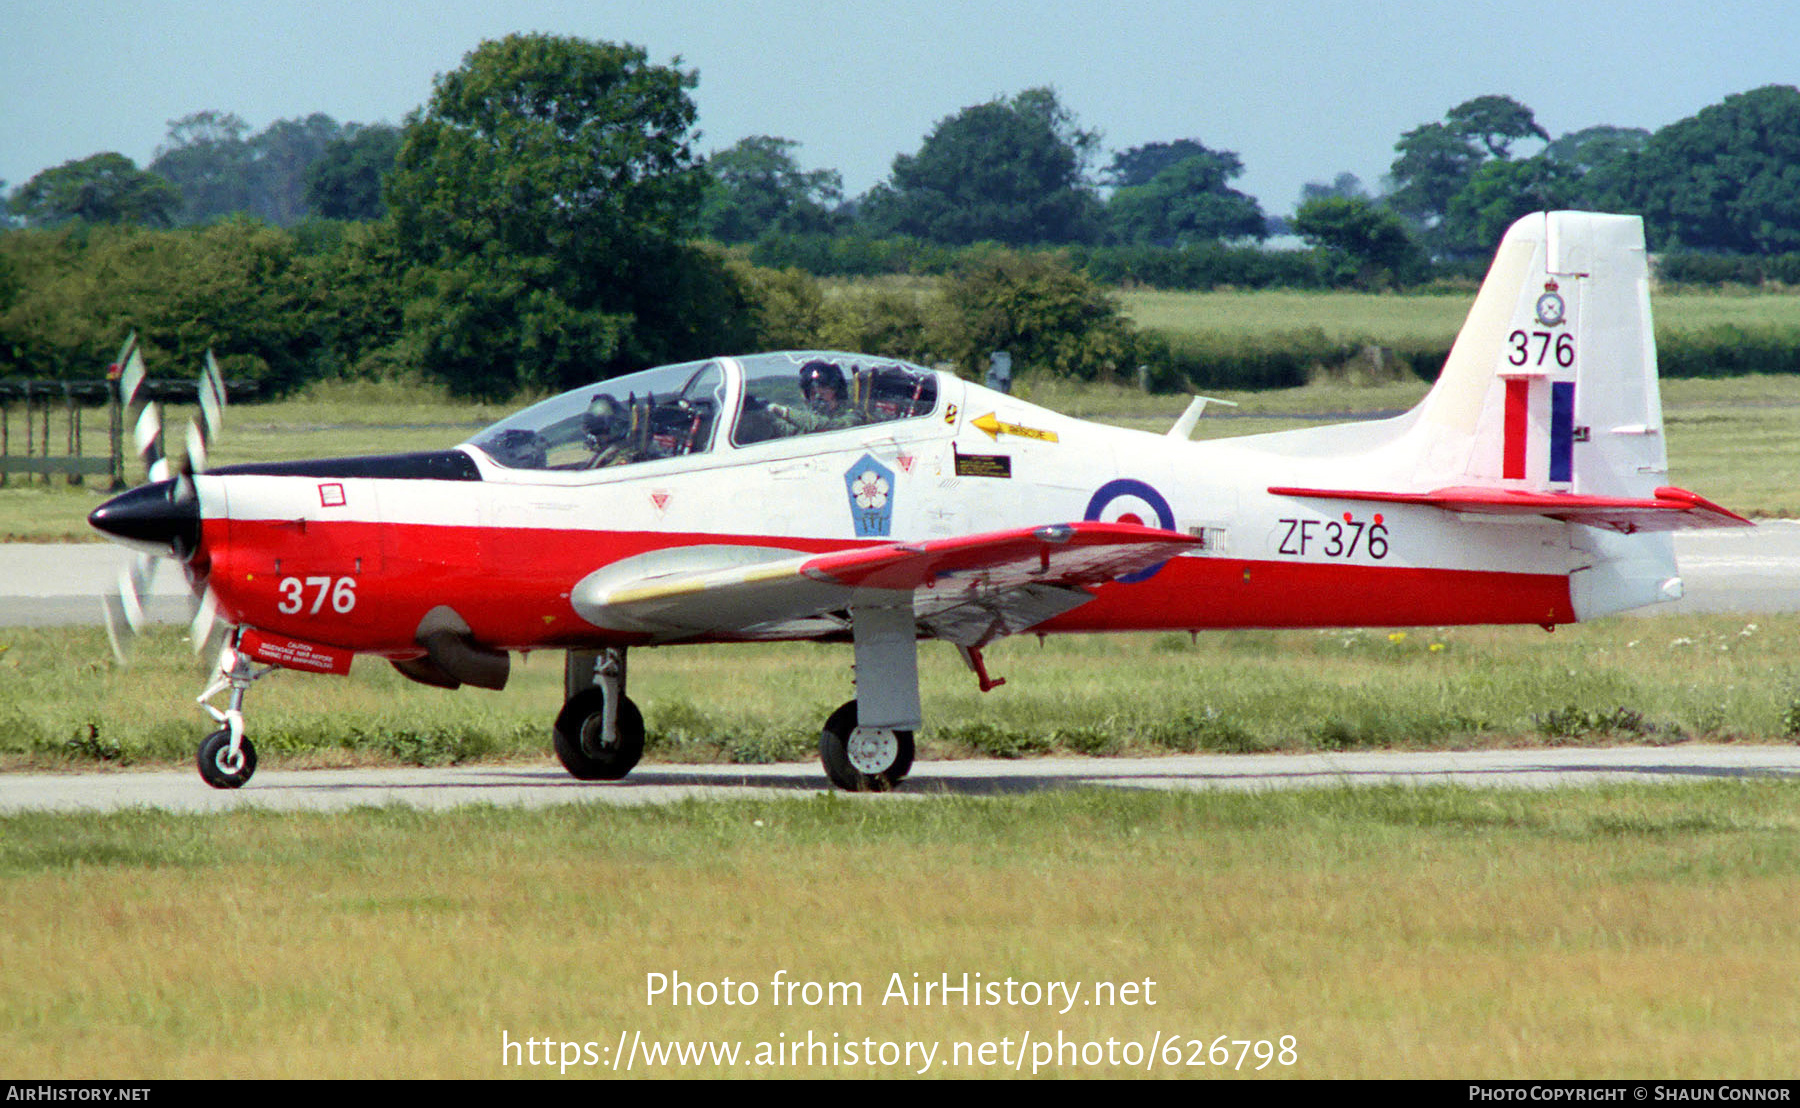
[1517,429]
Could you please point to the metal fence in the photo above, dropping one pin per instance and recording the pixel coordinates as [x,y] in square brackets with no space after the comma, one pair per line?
[42,425]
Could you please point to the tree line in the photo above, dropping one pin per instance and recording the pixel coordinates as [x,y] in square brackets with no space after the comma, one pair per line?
[543,220]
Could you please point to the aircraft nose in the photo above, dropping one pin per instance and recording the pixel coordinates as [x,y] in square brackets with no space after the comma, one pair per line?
[161,518]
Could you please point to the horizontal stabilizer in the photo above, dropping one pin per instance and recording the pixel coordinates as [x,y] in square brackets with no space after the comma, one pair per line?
[1668,509]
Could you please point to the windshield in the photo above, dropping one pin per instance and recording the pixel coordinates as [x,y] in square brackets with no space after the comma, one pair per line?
[659,413]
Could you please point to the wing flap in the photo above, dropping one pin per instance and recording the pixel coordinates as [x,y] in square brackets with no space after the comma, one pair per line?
[1064,553]
[1668,509]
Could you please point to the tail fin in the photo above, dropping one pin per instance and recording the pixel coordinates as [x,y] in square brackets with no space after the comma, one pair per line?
[1551,386]
[1548,405]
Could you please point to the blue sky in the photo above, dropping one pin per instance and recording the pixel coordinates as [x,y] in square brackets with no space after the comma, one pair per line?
[1300,90]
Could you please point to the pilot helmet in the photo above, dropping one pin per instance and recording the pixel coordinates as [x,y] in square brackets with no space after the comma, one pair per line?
[818,373]
[605,420]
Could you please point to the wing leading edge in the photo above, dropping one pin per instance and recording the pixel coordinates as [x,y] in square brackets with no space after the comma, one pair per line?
[968,589]
[1668,509]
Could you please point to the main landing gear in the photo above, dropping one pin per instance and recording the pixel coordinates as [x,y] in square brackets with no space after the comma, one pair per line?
[599,733]
[865,746]
[863,759]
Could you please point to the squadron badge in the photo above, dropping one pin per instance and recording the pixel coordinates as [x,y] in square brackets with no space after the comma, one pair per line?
[1550,307]
[870,486]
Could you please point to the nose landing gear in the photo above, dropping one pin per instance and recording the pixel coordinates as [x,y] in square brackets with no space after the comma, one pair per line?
[226,758]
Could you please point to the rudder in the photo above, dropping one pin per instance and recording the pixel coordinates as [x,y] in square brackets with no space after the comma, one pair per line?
[1551,385]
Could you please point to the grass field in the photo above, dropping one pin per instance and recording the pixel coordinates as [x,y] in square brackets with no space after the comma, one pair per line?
[1447,933]
[64,703]
[1405,319]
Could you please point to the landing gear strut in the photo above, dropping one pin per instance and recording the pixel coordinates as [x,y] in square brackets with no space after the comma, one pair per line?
[599,734]
[226,758]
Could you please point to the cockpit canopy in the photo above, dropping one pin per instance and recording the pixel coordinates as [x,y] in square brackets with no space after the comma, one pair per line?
[676,410]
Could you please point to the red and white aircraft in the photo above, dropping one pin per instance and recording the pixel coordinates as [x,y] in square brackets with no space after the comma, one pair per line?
[851,498]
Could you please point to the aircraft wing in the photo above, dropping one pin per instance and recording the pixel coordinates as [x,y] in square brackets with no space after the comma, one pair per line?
[968,589]
[1668,509]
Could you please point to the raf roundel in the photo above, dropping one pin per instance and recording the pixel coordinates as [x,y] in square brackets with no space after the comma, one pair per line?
[1128,500]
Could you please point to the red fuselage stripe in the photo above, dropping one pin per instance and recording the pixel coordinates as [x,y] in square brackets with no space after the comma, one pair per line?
[513,585]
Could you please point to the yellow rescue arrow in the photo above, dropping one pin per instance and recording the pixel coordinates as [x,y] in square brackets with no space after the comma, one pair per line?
[992,424]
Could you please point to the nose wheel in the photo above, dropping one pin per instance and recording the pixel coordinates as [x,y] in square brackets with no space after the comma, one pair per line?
[223,767]
[863,759]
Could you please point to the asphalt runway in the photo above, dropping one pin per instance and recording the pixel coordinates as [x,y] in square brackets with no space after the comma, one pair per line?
[1749,571]
[539,785]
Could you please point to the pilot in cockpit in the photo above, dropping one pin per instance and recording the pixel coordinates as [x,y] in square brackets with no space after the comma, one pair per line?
[822,383]
[606,428]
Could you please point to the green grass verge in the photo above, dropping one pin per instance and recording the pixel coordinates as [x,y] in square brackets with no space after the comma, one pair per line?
[63,702]
[1436,933]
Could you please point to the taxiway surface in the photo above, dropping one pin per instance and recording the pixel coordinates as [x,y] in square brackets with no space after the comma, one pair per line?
[540,785]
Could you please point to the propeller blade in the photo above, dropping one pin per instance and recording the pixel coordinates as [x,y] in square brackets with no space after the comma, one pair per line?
[117,635]
[131,375]
[124,607]
[196,449]
[211,390]
[148,437]
[205,621]
[134,582]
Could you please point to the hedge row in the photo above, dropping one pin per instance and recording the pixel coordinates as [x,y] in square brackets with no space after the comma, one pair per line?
[1290,359]
[1207,266]
[1714,270]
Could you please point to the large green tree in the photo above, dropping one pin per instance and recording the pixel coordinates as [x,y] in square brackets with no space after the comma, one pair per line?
[1009,171]
[1501,192]
[1593,148]
[757,186]
[1139,164]
[1364,243]
[1727,178]
[544,195]
[1496,122]
[222,172]
[1187,201]
[104,188]
[346,180]
[206,156]
[1437,161]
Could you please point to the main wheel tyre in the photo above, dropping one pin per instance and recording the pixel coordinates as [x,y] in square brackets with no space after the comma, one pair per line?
[218,767]
[863,759]
[578,742]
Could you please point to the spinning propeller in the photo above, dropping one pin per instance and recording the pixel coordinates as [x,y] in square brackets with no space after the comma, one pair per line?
[161,518]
